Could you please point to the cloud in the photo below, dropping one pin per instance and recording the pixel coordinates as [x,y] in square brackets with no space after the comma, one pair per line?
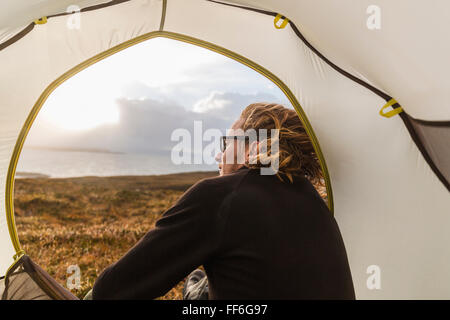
[146,125]
[213,102]
[229,105]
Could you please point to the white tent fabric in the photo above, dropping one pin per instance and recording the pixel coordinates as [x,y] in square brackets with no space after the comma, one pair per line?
[392,209]
[405,57]
[17,14]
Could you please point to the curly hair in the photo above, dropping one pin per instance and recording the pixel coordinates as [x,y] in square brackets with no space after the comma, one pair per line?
[296,153]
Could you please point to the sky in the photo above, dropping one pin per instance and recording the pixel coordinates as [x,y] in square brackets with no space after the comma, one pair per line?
[132,101]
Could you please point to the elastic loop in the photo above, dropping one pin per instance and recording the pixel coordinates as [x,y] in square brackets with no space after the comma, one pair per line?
[283,24]
[18,254]
[393,112]
[42,20]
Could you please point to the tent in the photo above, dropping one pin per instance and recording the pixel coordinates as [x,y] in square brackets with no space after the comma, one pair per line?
[369,79]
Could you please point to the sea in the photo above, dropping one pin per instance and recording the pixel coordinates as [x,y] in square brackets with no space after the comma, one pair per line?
[34,163]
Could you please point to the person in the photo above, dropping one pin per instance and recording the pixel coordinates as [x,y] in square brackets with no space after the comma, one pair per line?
[258,236]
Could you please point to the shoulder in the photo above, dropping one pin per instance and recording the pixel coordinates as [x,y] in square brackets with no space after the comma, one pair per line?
[205,199]
[227,181]
[216,187]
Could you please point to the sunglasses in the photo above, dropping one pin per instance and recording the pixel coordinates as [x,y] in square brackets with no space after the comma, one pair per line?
[224,140]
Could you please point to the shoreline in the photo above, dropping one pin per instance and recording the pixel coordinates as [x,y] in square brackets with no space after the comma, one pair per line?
[68,149]
[37,175]
[30,175]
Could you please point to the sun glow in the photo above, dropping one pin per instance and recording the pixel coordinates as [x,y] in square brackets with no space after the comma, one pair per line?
[88,99]
[76,106]
[155,69]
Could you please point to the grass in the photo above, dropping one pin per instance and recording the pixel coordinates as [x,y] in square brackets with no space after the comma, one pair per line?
[92,221]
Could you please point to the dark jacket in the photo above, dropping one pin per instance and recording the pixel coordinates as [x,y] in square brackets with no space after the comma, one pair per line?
[257,237]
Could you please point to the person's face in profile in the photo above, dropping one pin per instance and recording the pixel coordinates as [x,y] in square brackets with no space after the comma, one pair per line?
[235,153]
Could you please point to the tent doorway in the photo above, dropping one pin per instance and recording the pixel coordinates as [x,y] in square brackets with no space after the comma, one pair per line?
[126,194]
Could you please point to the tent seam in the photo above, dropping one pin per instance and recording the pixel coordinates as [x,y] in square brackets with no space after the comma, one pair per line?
[317,52]
[163,15]
[30,27]
[17,36]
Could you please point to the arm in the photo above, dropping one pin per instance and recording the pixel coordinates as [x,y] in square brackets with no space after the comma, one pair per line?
[186,236]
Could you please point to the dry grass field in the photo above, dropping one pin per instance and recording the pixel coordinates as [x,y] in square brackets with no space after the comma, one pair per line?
[92,221]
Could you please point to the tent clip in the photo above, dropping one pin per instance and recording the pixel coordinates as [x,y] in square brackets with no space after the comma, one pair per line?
[393,112]
[283,24]
[42,20]
[18,255]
